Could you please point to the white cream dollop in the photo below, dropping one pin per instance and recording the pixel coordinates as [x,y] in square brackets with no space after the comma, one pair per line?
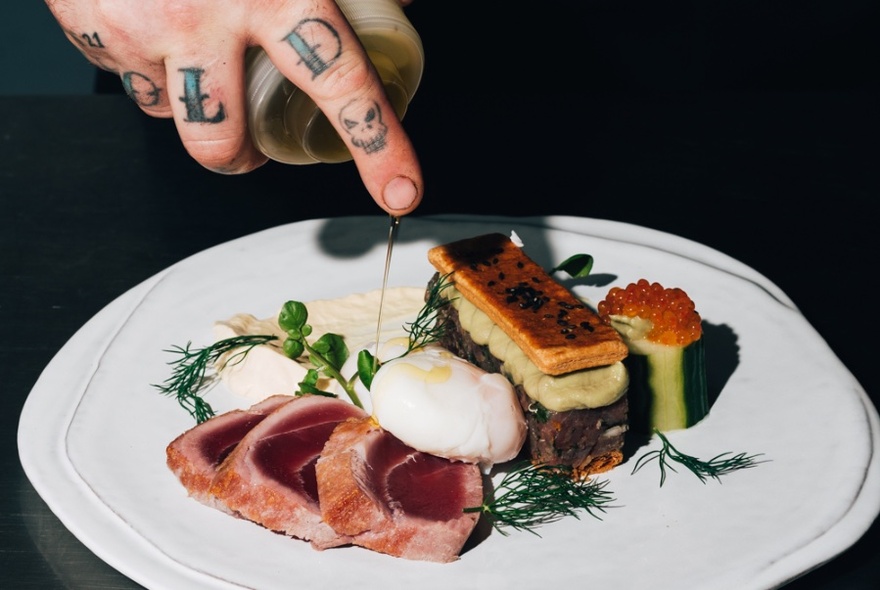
[266,370]
[440,404]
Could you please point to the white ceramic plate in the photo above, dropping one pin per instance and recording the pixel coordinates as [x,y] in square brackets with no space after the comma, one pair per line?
[93,432]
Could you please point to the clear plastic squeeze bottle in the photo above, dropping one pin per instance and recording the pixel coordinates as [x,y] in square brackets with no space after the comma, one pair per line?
[285,123]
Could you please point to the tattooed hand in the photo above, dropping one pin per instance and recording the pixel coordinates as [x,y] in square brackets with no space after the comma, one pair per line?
[185,59]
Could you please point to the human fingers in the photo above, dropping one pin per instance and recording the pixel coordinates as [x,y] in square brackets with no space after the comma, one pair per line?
[180,60]
[104,38]
[208,106]
[78,24]
[316,49]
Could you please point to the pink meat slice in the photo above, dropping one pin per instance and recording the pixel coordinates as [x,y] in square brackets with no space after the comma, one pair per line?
[391,498]
[270,476]
[195,455]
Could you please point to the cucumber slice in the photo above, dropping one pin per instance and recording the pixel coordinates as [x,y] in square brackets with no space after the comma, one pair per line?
[667,389]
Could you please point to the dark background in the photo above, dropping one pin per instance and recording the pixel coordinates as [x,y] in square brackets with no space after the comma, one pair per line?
[748,126]
[646,47]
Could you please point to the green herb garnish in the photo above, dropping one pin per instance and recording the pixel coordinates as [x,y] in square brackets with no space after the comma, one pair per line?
[715,467]
[327,354]
[576,266]
[425,329]
[189,378]
[532,495]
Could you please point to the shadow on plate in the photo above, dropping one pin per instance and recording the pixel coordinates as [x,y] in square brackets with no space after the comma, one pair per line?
[351,237]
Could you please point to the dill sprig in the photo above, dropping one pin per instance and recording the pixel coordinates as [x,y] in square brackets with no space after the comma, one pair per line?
[189,376]
[532,495]
[713,468]
[425,329]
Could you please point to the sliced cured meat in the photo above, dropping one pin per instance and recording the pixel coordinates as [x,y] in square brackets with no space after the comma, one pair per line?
[195,455]
[389,497]
[270,476]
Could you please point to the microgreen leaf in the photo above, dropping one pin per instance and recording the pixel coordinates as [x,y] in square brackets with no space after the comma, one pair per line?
[293,348]
[576,266]
[332,350]
[293,317]
[366,366]
[327,354]
[309,384]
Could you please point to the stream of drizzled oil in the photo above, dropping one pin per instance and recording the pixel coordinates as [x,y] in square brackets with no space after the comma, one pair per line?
[392,233]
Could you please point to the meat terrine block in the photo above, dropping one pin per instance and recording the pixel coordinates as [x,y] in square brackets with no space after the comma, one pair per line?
[589,440]
[507,315]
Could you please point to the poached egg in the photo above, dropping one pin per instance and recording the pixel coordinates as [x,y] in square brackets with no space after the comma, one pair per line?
[440,404]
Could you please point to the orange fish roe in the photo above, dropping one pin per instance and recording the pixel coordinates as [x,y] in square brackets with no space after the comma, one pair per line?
[676,322]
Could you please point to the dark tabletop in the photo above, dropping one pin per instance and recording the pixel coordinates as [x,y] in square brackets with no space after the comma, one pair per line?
[96,197]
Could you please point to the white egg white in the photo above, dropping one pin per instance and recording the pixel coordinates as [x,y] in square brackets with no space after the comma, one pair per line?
[440,404]
[393,348]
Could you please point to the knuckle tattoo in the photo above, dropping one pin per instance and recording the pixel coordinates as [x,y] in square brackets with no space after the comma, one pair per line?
[317,43]
[141,89]
[194,98]
[362,121]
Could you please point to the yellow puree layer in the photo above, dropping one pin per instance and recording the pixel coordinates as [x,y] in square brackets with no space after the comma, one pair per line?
[589,388]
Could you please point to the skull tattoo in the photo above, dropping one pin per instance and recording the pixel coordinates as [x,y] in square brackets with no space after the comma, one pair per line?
[362,120]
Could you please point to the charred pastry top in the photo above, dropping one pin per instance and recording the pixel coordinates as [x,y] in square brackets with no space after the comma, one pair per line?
[556,330]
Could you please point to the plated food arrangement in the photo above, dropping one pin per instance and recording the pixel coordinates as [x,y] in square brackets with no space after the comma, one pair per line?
[94,429]
[499,361]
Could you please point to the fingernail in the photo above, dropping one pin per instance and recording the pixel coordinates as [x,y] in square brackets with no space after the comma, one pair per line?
[400,193]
